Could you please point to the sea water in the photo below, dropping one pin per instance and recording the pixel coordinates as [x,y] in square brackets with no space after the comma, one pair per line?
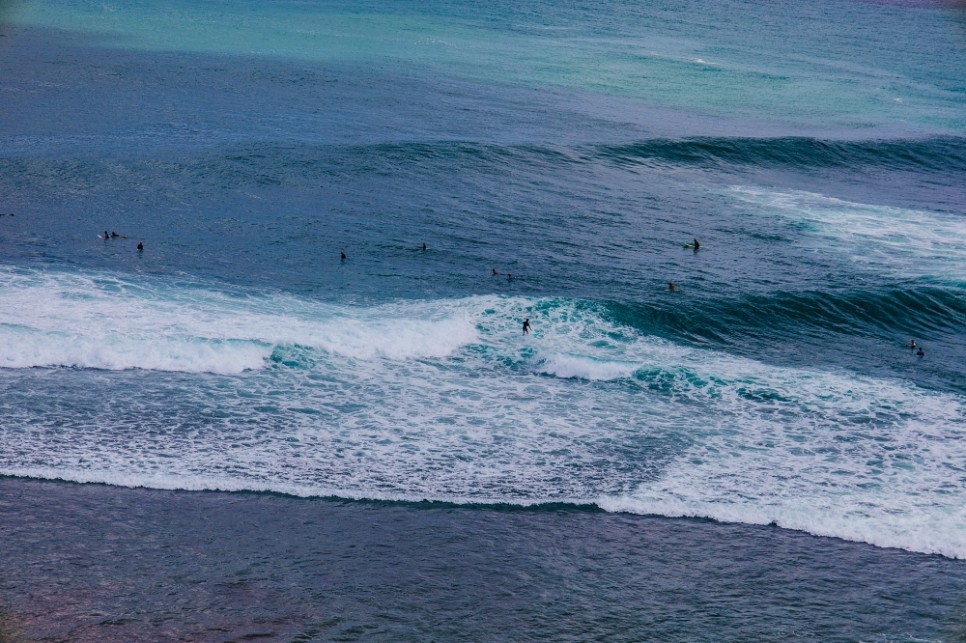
[816,151]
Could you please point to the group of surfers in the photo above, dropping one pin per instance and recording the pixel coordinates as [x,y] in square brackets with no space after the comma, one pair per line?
[114,235]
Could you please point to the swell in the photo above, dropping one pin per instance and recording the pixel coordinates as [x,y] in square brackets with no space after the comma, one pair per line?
[282,164]
[886,312]
[942,154]
[945,154]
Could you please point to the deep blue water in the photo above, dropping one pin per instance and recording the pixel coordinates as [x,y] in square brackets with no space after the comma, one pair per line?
[768,402]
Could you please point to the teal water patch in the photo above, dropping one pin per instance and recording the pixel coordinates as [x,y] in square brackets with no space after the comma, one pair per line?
[833,77]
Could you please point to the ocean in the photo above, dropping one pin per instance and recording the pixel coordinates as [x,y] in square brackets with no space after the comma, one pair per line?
[305,409]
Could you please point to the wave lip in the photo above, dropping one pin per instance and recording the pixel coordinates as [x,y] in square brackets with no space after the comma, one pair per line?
[937,154]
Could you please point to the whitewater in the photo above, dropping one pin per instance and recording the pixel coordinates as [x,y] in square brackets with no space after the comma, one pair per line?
[447,401]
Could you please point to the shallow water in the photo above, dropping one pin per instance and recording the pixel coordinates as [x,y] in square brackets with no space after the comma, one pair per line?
[96,563]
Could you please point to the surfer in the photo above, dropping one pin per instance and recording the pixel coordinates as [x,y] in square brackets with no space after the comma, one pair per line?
[495,272]
[140,246]
[671,287]
[106,236]
[911,345]
[526,326]
[343,257]
[697,244]
[424,246]
[920,352]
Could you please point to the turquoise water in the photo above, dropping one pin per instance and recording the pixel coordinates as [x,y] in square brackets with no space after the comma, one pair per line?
[847,67]
[816,151]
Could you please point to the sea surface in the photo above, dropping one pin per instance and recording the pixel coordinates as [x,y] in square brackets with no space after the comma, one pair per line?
[306,409]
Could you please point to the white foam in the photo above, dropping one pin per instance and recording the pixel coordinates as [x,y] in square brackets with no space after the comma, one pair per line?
[901,240]
[583,367]
[96,321]
[831,454]
[447,400]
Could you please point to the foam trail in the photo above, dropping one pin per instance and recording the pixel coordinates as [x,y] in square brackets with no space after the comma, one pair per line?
[912,243]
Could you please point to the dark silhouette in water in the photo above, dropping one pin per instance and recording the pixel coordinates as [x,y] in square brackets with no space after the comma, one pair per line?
[343,257]
[526,326]
[920,352]
[671,287]
[140,246]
